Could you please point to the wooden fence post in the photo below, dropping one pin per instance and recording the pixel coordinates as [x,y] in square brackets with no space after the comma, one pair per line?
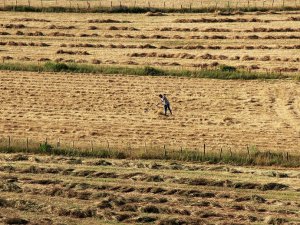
[58,143]
[191,7]
[283,3]
[164,4]
[248,3]
[120,4]
[92,145]
[29,3]
[9,141]
[287,156]
[27,144]
[230,152]
[165,151]
[111,5]
[107,144]
[221,151]
[204,149]
[273,3]
[248,151]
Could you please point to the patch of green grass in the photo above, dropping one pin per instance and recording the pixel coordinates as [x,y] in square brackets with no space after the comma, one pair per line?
[241,159]
[217,73]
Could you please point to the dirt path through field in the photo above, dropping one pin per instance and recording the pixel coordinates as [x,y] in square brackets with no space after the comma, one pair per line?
[122,110]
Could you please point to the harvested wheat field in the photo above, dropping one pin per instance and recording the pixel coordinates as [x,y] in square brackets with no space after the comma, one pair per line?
[122,110]
[83,136]
[259,42]
[61,190]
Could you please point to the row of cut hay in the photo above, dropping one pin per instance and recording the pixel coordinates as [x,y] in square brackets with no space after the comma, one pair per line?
[107,21]
[114,28]
[30,20]
[221,20]
[155,36]
[72,52]
[189,47]
[14,43]
[13,26]
[208,56]
[225,30]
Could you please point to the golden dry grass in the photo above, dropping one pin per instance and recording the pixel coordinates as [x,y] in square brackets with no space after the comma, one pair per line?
[122,110]
[268,45]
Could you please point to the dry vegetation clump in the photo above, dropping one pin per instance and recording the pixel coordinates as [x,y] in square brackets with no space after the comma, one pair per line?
[4,33]
[13,26]
[88,35]
[290,47]
[248,58]
[123,28]
[51,27]
[25,59]
[263,29]
[253,67]
[265,58]
[36,33]
[293,19]
[4,58]
[93,28]
[108,21]
[19,33]
[44,60]
[286,69]
[13,43]
[60,34]
[72,52]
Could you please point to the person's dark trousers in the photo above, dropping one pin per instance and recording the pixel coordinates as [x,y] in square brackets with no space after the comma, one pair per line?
[167,107]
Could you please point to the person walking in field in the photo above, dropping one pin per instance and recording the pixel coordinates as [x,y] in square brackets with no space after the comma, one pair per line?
[165,103]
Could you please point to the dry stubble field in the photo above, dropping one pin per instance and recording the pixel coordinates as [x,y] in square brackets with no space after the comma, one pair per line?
[264,42]
[61,190]
[122,109]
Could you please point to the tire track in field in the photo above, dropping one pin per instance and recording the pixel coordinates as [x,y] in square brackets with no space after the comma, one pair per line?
[287,107]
